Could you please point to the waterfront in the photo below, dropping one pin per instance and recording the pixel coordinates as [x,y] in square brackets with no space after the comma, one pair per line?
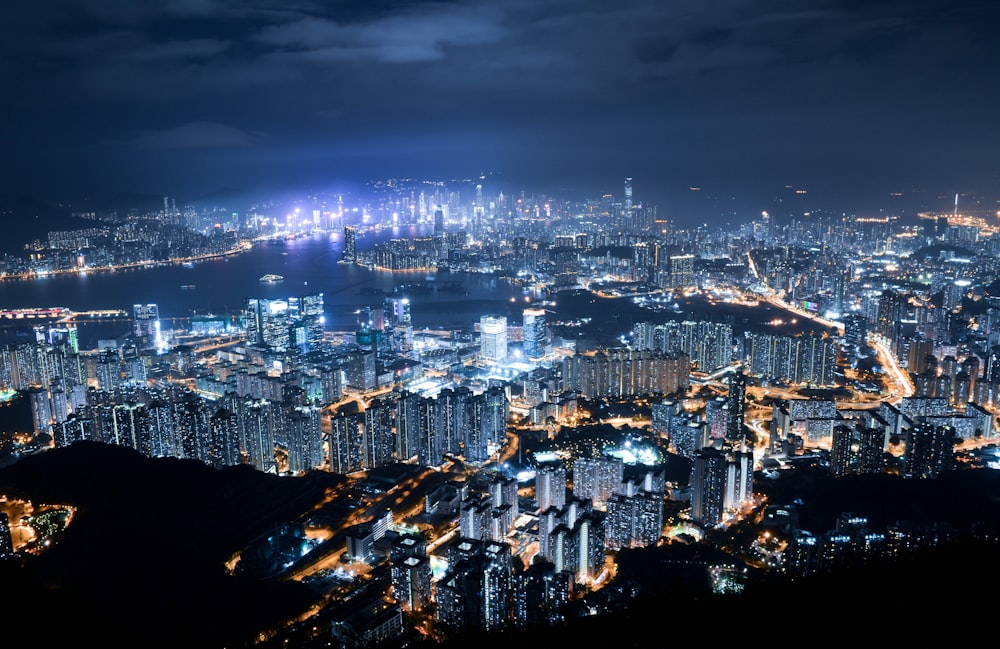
[308,265]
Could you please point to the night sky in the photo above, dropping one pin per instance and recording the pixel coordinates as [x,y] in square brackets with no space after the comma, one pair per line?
[851,100]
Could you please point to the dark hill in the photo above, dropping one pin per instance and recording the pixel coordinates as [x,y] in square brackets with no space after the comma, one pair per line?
[143,560]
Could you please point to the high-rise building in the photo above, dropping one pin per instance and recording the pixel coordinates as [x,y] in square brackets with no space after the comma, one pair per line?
[535,338]
[146,320]
[856,450]
[929,450]
[736,430]
[597,478]
[493,338]
[708,484]
[550,486]
[350,253]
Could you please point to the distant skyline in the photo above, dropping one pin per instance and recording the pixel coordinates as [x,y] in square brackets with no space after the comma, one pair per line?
[850,101]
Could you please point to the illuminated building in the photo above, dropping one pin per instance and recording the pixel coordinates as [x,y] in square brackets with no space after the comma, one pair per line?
[453,418]
[535,339]
[929,450]
[41,409]
[541,595]
[634,521]
[360,370]
[476,593]
[350,253]
[681,271]
[493,338]
[398,318]
[411,582]
[856,450]
[268,323]
[146,320]
[622,372]
[736,400]
[550,486]
[224,439]
[708,484]
[304,439]
[345,443]
[596,479]
[379,440]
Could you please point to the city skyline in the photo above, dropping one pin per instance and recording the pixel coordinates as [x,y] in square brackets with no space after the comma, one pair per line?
[730,103]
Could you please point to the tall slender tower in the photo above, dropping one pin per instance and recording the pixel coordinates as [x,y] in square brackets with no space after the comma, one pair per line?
[628,194]
[350,254]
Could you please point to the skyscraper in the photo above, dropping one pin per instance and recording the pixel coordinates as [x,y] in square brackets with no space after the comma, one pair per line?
[146,318]
[493,338]
[350,254]
[535,340]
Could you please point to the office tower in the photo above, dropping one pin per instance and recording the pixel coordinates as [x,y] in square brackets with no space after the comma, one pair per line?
[268,323]
[681,271]
[350,253]
[399,320]
[310,317]
[596,479]
[146,321]
[628,194]
[550,486]
[360,370]
[535,339]
[493,338]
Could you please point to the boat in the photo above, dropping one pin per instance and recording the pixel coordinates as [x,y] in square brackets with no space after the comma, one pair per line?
[271,277]
[187,287]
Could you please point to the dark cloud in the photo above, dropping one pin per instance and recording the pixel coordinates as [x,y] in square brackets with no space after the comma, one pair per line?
[737,92]
[193,135]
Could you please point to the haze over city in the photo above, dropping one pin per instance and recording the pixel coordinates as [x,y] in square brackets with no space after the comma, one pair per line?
[849,101]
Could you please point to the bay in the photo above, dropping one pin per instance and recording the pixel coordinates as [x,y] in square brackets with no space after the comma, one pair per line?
[309,265]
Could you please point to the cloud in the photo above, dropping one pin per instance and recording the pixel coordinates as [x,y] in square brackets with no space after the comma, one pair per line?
[408,37]
[194,135]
